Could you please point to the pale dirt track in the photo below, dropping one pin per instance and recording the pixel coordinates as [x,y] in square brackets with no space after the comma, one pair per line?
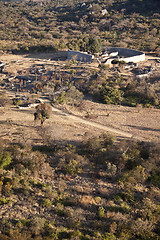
[18,125]
[69,124]
[94,124]
[140,124]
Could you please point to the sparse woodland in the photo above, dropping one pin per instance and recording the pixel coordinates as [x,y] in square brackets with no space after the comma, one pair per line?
[101,188]
[54,25]
[97,190]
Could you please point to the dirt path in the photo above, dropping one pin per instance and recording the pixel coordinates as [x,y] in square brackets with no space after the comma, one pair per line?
[18,124]
[94,124]
[68,117]
[91,123]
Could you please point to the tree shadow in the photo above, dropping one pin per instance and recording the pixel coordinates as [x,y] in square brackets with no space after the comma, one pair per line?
[3,122]
[53,145]
[146,8]
[52,56]
[70,14]
[112,110]
[28,111]
[144,128]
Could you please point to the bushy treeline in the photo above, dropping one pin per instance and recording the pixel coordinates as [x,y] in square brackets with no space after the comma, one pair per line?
[109,86]
[116,90]
[101,189]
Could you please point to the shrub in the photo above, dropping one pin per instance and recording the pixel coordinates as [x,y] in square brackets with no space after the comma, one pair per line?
[71,163]
[43,112]
[127,195]
[46,203]
[4,201]
[107,140]
[64,234]
[72,167]
[17,101]
[133,98]
[133,156]
[94,45]
[113,227]
[72,97]
[61,98]
[96,145]
[110,95]
[109,236]
[37,225]
[154,178]
[5,159]
[101,212]
[6,189]
[50,231]
[111,169]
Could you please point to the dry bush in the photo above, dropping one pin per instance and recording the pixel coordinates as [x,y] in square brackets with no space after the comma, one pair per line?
[71,163]
[4,100]
[47,138]
[87,200]
[43,112]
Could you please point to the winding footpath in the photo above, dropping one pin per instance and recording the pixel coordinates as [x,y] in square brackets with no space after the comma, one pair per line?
[117,132]
[94,124]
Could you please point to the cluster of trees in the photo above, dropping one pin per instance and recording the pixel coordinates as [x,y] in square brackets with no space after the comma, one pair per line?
[87,43]
[118,89]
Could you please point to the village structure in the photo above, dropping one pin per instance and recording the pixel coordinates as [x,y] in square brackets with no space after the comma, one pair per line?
[47,77]
[108,55]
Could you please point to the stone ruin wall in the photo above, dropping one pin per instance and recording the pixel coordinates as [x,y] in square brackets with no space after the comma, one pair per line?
[128,55]
[125,54]
[79,56]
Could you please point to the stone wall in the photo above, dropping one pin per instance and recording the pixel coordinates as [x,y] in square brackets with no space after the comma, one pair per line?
[128,55]
[79,56]
[125,54]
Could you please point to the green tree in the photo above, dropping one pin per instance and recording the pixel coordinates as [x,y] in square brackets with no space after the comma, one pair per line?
[94,45]
[111,95]
[101,212]
[5,159]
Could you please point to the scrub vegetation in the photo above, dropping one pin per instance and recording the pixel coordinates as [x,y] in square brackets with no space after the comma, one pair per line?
[100,189]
